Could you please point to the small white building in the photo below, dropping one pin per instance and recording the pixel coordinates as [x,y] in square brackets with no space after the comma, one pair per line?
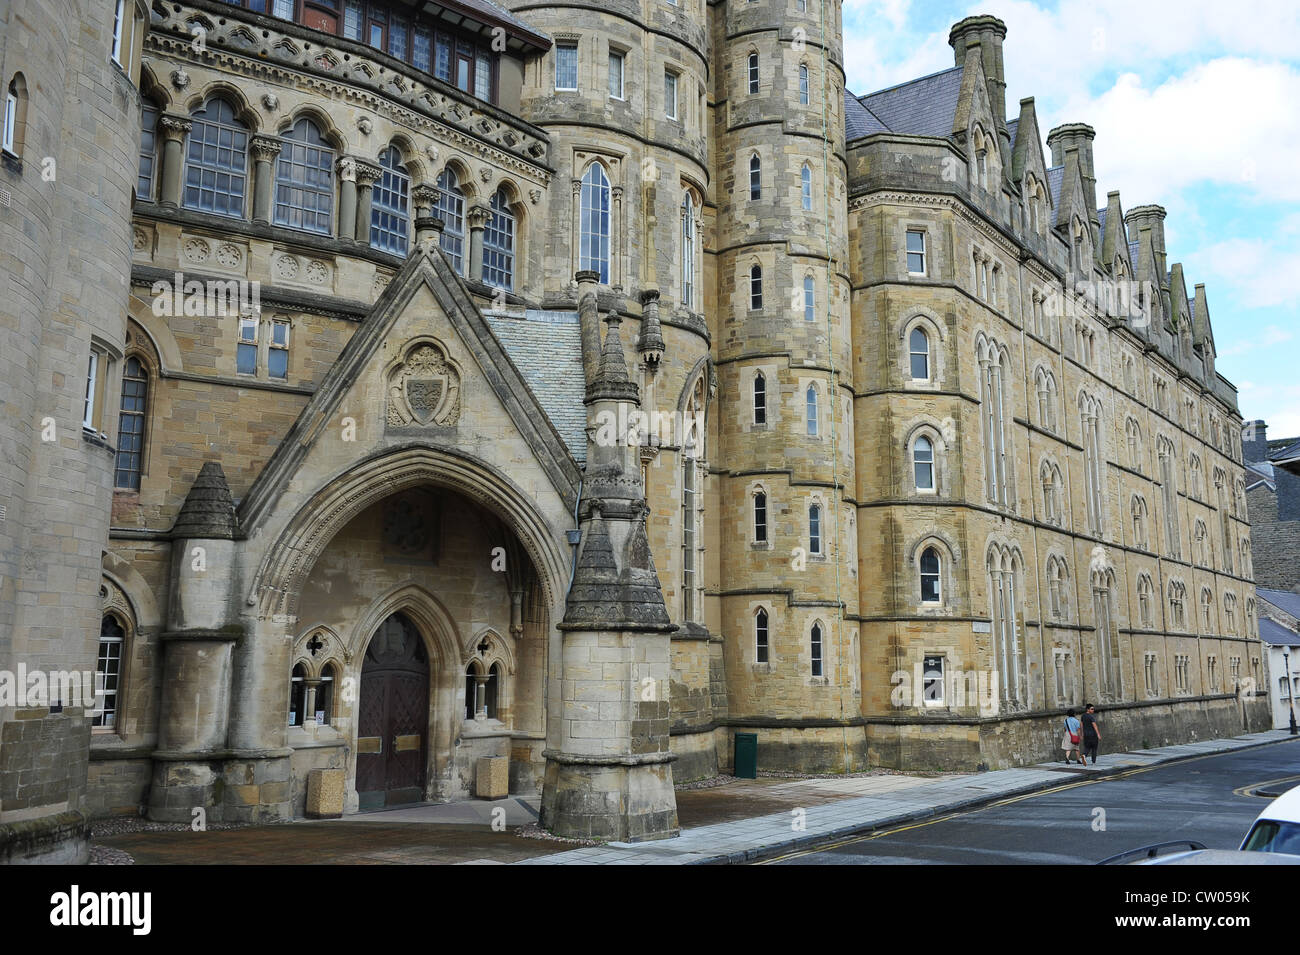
[1279,629]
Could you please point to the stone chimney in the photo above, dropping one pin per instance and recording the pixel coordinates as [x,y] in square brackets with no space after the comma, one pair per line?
[985,33]
[1153,218]
[1077,136]
[1254,442]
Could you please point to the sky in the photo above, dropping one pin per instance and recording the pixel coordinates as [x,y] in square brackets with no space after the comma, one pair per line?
[1196,105]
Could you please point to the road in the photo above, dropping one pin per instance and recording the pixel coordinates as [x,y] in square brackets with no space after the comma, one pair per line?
[1203,799]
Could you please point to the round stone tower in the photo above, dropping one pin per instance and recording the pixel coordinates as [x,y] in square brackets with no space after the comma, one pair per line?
[65,224]
[624,96]
[783,349]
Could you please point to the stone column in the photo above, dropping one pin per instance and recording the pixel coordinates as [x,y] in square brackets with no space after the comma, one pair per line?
[575,222]
[174,129]
[347,169]
[265,150]
[478,217]
[617,251]
[589,322]
[367,175]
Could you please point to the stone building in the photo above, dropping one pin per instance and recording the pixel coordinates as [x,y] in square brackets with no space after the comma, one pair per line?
[578,391]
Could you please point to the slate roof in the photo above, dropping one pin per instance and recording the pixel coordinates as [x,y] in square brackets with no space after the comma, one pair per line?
[921,107]
[546,347]
[1261,471]
[1282,599]
[1274,634]
[1055,176]
[1285,454]
[1013,128]
[1101,218]
[1133,252]
[858,120]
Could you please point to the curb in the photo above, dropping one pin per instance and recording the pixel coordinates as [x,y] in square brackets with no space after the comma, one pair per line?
[797,843]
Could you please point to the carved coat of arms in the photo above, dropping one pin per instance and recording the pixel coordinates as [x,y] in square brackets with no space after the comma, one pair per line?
[424,390]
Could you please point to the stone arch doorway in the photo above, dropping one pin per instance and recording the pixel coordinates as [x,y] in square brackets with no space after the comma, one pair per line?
[393,716]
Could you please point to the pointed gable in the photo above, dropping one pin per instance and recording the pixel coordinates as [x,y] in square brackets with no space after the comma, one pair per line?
[425,327]
[1027,145]
[1114,236]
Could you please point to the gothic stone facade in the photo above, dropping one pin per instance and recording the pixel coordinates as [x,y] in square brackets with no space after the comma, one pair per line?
[926,467]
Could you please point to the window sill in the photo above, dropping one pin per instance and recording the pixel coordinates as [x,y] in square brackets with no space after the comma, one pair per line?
[98,438]
[12,162]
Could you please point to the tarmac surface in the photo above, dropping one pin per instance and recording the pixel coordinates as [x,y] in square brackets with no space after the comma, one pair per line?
[738,821]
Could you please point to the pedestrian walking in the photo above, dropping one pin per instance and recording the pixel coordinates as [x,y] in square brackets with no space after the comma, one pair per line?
[1072,737]
[1091,736]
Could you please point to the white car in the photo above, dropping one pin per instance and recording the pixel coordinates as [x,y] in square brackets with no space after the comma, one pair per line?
[1278,827]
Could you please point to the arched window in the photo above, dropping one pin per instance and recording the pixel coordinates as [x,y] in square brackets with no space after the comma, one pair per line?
[148,151]
[390,204]
[1050,475]
[108,671]
[931,587]
[760,636]
[760,399]
[923,463]
[1094,476]
[1045,383]
[216,161]
[1207,609]
[1140,539]
[1057,582]
[499,243]
[814,529]
[815,648]
[688,251]
[760,518]
[451,210]
[593,247]
[997,463]
[1008,647]
[304,180]
[1230,614]
[1168,493]
[755,286]
[325,695]
[130,425]
[805,186]
[298,696]
[810,402]
[1199,550]
[755,177]
[752,66]
[809,299]
[1134,432]
[1145,603]
[803,84]
[918,344]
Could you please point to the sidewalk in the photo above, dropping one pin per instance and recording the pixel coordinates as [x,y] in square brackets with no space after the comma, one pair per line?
[904,800]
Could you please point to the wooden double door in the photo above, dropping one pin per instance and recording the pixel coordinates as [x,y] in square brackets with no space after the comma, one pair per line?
[393,723]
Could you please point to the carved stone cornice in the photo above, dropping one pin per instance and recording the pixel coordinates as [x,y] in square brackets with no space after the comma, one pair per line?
[406,97]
